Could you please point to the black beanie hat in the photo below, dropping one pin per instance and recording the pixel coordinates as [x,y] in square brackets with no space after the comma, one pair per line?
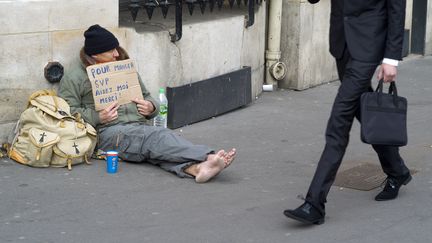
[99,40]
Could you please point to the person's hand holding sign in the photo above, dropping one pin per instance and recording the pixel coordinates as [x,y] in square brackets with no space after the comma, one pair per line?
[145,107]
[109,114]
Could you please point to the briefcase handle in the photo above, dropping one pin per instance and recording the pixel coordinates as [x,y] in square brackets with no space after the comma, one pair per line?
[392,90]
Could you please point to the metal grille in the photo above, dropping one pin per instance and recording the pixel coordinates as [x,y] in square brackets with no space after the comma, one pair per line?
[202,6]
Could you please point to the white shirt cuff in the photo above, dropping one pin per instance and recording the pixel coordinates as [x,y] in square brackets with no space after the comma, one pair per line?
[389,61]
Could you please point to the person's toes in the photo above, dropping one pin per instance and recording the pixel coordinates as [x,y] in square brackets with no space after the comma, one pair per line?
[221,153]
[229,157]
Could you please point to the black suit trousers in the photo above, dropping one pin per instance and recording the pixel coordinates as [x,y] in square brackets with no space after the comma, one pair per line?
[355,79]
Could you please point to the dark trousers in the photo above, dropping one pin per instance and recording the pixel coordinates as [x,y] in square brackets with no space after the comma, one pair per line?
[355,79]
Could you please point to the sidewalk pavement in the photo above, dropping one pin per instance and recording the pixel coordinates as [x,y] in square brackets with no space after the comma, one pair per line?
[279,138]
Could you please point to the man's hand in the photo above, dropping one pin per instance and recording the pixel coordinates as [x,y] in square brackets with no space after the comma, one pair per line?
[109,114]
[144,107]
[387,73]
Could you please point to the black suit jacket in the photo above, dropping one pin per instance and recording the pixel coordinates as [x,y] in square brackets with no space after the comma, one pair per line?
[371,29]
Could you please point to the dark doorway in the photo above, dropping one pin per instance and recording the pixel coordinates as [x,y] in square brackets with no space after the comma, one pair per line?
[419,26]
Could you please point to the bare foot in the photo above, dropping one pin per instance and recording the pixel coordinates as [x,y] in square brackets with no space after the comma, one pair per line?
[211,167]
[229,157]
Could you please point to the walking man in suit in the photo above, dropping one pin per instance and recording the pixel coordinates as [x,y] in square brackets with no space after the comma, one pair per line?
[363,35]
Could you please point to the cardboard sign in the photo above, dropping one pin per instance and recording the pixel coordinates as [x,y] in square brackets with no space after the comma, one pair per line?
[114,81]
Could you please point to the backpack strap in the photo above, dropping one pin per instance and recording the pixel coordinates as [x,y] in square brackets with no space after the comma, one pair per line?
[86,160]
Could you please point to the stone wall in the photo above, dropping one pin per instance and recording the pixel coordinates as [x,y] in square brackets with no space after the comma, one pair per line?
[206,49]
[34,33]
[305,44]
[47,31]
[305,47]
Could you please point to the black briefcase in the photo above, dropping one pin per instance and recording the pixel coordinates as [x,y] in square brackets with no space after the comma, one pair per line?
[383,117]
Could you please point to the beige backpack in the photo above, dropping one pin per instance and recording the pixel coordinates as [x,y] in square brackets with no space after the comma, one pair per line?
[48,135]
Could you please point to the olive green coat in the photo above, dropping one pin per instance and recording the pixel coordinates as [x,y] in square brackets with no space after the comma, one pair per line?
[77,91]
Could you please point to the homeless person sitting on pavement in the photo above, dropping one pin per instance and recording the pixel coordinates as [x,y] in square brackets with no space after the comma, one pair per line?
[123,127]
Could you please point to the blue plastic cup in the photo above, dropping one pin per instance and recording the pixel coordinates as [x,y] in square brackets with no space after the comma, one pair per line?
[112,161]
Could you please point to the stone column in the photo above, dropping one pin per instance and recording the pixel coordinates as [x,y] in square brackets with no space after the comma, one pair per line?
[428,43]
[305,45]
[408,20]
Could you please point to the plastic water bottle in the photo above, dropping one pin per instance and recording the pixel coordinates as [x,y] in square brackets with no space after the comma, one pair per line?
[161,119]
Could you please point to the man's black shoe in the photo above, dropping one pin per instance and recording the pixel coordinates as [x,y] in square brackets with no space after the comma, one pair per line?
[391,189]
[306,213]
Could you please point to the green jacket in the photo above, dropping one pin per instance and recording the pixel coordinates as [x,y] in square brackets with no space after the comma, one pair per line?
[77,91]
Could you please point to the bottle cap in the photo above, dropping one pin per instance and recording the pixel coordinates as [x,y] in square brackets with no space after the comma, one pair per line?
[161,90]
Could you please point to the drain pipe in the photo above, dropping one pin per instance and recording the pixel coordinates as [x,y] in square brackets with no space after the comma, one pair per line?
[275,70]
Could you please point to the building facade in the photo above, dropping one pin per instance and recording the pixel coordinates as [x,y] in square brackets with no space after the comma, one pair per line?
[213,43]
[35,33]
[305,44]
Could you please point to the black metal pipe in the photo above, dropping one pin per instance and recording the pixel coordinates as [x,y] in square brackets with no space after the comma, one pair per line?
[251,16]
[179,25]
